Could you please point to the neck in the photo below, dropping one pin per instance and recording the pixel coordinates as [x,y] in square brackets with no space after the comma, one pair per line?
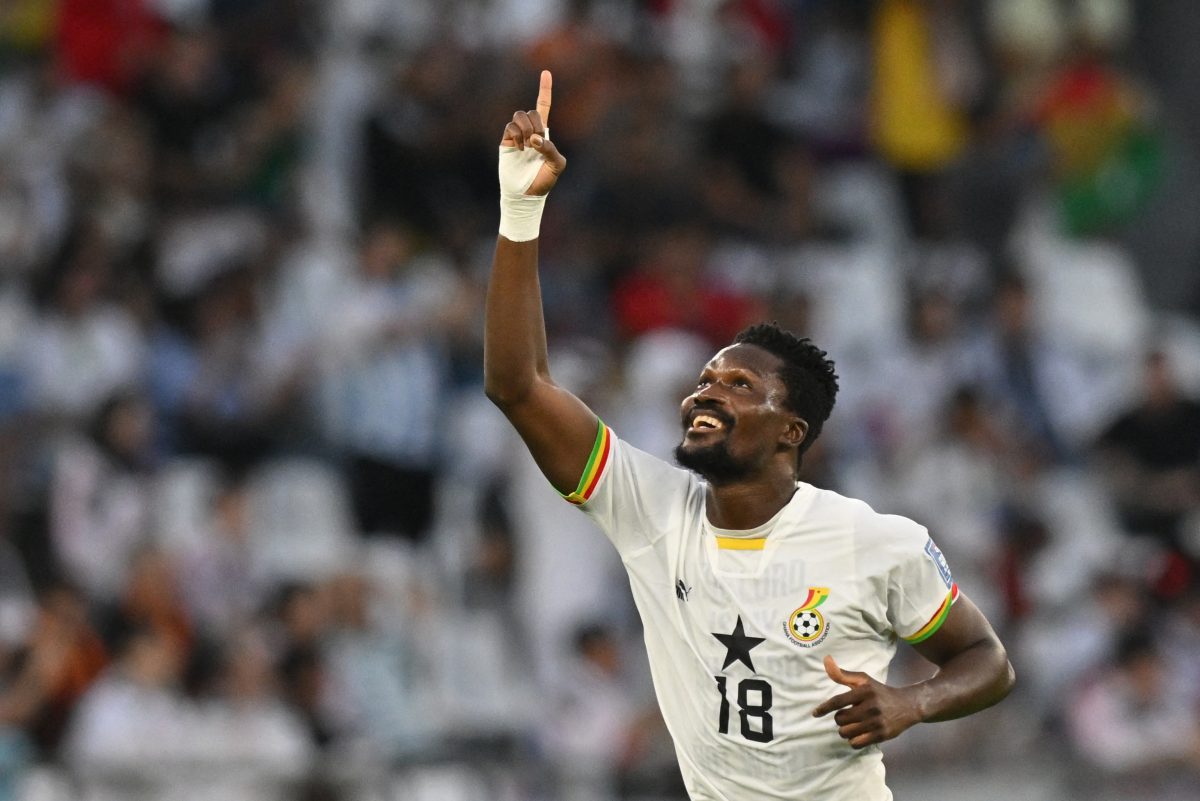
[747,504]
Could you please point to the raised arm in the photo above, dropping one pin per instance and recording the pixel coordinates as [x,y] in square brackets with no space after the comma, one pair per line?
[558,428]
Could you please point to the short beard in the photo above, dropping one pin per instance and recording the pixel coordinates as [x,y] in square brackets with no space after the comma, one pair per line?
[714,463]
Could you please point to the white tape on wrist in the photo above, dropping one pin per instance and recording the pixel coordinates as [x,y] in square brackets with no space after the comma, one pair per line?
[520,214]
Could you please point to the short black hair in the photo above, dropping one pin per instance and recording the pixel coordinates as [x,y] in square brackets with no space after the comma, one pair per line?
[807,374]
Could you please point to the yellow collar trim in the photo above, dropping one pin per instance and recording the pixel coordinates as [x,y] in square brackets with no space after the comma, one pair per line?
[741,543]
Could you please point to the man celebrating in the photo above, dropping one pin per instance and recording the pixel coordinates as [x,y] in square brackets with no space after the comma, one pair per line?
[768,604]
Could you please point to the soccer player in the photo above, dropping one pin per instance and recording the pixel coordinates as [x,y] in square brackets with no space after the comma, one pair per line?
[771,608]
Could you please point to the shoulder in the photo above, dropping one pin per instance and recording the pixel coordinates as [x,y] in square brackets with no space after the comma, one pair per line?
[628,471]
[857,512]
[872,530]
[635,498]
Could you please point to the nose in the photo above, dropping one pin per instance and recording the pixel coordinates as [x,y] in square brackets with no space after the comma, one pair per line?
[712,392]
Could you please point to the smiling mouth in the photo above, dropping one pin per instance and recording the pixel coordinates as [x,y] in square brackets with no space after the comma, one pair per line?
[705,422]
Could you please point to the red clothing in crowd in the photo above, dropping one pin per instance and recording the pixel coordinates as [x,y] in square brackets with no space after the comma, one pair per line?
[105,42]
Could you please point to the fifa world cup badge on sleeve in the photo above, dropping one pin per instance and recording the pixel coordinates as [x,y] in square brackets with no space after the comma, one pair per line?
[935,554]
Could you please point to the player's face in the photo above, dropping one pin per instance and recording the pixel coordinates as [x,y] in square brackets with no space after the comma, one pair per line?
[737,418]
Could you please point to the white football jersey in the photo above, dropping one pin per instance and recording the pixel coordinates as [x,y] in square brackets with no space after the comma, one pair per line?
[737,623]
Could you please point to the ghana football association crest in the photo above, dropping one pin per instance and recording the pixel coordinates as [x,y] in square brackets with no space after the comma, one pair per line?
[806,626]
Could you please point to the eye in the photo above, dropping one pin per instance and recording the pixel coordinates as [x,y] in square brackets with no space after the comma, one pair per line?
[741,383]
[702,383]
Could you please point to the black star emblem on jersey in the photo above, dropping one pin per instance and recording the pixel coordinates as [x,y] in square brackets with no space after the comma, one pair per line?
[738,646]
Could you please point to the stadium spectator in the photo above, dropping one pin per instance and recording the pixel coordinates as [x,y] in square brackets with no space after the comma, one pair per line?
[133,721]
[254,746]
[920,372]
[384,377]
[1151,455]
[1091,632]
[674,288]
[373,676]
[151,599]
[221,574]
[1028,377]
[925,80]
[1127,725]
[742,149]
[55,663]
[598,733]
[100,497]
[83,347]
[1180,644]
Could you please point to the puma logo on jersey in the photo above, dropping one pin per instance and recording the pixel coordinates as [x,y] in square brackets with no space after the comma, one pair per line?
[682,590]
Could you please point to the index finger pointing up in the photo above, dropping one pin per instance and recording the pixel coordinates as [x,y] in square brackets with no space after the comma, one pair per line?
[543,101]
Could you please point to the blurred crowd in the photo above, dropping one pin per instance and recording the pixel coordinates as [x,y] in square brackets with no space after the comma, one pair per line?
[261,536]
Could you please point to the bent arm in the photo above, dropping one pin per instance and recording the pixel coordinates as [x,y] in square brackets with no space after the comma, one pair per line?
[973,673]
[973,668]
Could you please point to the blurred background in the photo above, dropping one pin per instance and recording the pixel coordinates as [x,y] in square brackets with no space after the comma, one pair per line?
[261,535]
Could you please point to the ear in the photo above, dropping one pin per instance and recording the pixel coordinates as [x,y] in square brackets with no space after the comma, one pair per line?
[795,433]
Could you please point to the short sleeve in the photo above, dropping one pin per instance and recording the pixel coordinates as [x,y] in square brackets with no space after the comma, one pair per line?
[635,498]
[921,588]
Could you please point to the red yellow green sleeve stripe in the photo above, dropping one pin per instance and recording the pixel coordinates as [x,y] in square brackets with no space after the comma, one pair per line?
[939,617]
[595,466]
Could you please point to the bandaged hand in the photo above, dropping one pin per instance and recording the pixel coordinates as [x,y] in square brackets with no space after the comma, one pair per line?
[529,167]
